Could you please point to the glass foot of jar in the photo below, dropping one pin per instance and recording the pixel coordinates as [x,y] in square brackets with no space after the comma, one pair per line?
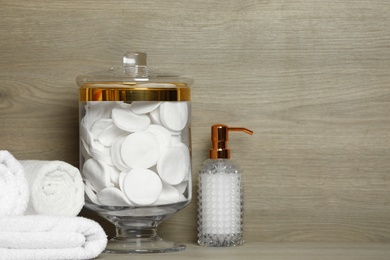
[140,241]
[142,246]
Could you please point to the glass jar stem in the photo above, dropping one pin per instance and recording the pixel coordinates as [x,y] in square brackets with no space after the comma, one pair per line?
[136,233]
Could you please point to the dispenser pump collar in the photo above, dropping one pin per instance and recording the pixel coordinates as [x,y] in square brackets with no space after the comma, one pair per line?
[219,139]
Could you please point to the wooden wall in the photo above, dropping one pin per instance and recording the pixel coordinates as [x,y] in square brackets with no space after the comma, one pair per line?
[310,78]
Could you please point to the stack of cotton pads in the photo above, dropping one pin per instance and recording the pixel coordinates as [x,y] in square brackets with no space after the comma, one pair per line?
[136,154]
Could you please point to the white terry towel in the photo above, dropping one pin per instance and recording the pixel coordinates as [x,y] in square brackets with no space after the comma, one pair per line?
[56,188]
[14,193]
[50,237]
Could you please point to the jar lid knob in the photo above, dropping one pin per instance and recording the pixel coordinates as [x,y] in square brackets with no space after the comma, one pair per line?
[135,64]
[132,59]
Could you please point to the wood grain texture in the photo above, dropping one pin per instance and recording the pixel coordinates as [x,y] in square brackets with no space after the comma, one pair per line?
[310,78]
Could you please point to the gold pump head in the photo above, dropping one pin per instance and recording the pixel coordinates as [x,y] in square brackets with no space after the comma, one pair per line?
[219,138]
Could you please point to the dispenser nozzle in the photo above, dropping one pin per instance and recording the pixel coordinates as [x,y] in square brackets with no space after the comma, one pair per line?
[219,138]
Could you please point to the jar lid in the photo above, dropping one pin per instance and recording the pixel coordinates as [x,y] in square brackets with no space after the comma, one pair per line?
[133,81]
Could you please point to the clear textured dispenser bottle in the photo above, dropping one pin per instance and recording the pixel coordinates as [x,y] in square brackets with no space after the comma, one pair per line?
[220,194]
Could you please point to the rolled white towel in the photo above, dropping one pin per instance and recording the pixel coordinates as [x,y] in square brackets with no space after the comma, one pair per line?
[56,188]
[50,237]
[14,192]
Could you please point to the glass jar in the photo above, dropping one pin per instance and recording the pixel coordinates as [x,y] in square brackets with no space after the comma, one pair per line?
[135,151]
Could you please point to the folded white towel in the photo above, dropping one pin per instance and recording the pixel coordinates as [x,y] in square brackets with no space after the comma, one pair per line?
[56,188]
[50,237]
[14,193]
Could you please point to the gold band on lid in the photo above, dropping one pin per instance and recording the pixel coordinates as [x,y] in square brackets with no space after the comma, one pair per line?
[132,92]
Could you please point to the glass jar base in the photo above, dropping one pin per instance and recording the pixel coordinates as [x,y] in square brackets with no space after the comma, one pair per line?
[136,228]
[142,246]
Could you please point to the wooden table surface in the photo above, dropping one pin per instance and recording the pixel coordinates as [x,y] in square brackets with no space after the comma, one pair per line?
[273,251]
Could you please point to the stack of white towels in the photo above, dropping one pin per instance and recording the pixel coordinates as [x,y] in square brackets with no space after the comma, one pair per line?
[39,203]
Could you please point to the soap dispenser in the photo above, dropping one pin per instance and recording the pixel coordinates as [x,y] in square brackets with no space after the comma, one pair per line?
[220,194]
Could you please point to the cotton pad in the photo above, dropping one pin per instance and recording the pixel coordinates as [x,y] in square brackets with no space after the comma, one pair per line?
[128,121]
[174,115]
[101,152]
[95,110]
[143,107]
[176,139]
[174,165]
[85,133]
[142,186]
[168,195]
[162,135]
[114,176]
[84,148]
[98,174]
[110,134]
[140,150]
[116,156]
[113,197]
[181,187]
[155,116]
[99,125]
[90,192]
[122,176]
